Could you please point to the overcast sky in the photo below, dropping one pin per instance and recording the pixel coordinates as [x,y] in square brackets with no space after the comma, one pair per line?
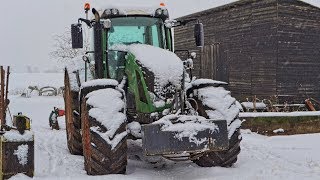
[28,26]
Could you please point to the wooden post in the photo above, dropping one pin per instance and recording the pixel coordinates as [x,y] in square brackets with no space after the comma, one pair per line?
[255,103]
[6,96]
[2,95]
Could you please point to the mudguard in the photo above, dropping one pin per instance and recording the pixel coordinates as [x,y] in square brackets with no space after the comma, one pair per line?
[158,142]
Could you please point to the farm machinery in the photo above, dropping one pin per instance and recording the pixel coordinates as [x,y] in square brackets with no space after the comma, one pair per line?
[16,139]
[131,85]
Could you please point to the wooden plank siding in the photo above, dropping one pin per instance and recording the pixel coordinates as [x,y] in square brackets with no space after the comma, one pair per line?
[266,47]
[298,45]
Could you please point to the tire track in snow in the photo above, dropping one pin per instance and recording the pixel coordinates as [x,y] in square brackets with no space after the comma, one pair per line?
[60,161]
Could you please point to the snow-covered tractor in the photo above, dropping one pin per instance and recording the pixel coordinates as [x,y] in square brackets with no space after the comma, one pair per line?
[133,86]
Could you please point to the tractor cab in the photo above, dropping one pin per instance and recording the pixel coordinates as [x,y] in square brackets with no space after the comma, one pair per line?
[114,26]
[133,30]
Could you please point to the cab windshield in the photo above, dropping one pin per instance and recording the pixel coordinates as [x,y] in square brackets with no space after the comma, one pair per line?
[136,30]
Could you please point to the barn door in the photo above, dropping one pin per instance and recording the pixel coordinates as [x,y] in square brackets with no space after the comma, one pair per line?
[212,65]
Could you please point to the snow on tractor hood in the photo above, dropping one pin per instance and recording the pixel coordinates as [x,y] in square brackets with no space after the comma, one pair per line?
[166,65]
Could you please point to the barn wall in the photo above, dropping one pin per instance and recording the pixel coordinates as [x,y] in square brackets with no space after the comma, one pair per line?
[246,36]
[261,47]
[299,50]
[264,48]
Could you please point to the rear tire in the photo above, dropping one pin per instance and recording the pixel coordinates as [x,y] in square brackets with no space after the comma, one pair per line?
[220,158]
[73,125]
[100,158]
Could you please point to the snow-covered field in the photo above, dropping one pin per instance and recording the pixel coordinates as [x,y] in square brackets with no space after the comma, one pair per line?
[282,157]
[19,82]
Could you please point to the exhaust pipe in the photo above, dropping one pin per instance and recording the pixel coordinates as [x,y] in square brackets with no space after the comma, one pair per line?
[96,15]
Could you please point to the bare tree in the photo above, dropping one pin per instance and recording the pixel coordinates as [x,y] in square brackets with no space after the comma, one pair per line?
[63,48]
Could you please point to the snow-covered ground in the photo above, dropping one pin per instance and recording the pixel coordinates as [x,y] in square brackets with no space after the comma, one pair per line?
[19,82]
[282,157]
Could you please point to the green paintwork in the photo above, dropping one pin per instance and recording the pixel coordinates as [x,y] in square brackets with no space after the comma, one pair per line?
[131,70]
[104,54]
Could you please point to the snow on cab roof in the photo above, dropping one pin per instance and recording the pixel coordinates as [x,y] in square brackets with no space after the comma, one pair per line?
[125,9]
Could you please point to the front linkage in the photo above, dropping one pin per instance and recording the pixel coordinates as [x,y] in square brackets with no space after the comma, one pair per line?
[159,138]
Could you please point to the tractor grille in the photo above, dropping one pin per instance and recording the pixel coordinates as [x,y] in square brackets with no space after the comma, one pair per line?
[166,92]
[163,93]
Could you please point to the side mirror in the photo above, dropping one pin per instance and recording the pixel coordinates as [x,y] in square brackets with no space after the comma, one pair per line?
[76,36]
[199,34]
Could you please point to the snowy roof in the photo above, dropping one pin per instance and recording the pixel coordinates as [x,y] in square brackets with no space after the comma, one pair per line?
[229,3]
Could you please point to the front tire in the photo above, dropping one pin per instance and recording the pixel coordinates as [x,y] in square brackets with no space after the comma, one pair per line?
[103,154]
[216,103]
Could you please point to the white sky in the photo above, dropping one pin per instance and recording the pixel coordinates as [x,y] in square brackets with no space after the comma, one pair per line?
[27,26]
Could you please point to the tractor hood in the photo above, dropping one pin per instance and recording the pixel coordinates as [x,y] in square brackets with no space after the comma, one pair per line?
[166,66]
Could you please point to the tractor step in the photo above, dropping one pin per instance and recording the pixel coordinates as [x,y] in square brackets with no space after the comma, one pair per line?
[158,142]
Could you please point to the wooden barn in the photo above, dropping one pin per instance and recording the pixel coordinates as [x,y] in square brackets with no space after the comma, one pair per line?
[260,47]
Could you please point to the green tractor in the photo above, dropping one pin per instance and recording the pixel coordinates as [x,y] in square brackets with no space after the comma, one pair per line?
[131,85]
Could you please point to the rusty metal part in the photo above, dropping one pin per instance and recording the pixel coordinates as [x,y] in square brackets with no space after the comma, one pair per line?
[4,85]
[72,121]
[85,134]
[309,105]
[68,102]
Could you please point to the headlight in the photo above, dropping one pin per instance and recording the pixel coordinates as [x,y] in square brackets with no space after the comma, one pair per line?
[158,12]
[107,12]
[162,13]
[111,12]
[165,12]
[114,11]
